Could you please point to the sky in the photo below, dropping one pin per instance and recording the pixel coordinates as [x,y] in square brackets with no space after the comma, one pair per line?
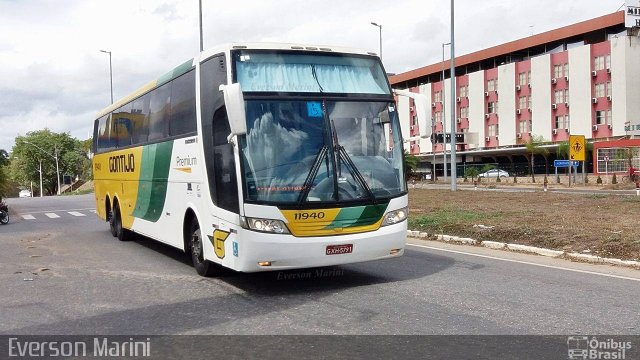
[53,75]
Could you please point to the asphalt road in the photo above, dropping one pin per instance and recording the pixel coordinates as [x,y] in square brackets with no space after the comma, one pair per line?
[68,275]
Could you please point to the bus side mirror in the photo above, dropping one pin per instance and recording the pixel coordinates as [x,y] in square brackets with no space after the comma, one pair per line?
[234,103]
[422,111]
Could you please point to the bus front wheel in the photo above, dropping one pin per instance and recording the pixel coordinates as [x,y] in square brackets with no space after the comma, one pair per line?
[203,267]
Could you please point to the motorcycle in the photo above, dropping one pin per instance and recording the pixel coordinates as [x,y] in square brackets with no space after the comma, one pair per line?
[4,213]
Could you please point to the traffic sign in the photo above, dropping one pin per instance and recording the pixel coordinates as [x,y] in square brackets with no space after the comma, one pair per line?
[577,148]
[564,163]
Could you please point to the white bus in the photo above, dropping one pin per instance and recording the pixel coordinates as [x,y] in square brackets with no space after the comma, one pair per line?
[258,157]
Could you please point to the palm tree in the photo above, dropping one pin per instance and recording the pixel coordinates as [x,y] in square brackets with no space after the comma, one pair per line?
[410,164]
[534,147]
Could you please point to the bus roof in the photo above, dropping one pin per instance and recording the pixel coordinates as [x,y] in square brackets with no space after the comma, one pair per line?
[225,48]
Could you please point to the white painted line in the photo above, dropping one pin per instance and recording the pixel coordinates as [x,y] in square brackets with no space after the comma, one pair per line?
[60,210]
[528,263]
[75,213]
[28,217]
[52,215]
[94,211]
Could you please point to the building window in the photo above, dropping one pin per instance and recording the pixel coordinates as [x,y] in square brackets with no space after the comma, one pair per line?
[598,90]
[562,122]
[464,91]
[557,71]
[529,102]
[608,117]
[522,79]
[414,120]
[522,102]
[528,77]
[608,88]
[559,96]
[566,96]
[437,96]
[522,127]
[492,85]
[600,117]
[492,107]
[598,63]
[438,116]
[608,62]
[493,130]
[566,69]
[464,112]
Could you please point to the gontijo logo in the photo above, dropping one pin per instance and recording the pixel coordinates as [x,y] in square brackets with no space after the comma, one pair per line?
[122,163]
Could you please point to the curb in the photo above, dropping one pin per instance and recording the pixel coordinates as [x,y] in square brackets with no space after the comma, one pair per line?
[523,248]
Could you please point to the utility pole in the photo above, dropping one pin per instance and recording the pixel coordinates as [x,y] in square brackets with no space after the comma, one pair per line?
[454,175]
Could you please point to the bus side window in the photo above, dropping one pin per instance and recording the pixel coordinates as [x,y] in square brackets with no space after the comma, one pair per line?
[159,112]
[140,119]
[183,105]
[224,163]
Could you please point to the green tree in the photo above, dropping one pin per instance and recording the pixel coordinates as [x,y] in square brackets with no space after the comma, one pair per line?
[472,172]
[534,146]
[410,164]
[42,146]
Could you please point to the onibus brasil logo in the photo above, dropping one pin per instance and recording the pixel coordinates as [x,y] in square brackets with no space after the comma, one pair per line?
[583,347]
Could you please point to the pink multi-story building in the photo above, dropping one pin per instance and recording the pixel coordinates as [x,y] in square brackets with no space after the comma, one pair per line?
[582,79]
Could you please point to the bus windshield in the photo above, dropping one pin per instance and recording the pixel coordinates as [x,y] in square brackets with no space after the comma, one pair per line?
[321,151]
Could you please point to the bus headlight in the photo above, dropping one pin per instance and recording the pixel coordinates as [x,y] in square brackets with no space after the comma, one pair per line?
[394,217]
[267,225]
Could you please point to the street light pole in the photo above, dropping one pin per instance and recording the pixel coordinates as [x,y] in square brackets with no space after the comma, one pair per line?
[454,175]
[444,118]
[110,72]
[40,178]
[200,16]
[380,28]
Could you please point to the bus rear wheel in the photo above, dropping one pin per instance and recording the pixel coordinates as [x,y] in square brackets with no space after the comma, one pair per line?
[203,267]
[120,232]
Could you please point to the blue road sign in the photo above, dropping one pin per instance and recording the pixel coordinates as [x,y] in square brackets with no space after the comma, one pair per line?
[564,163]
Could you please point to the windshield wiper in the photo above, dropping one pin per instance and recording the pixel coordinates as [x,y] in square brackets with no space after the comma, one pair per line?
[341,153]
[306,187]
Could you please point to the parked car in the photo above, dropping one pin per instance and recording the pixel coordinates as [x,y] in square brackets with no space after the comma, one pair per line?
[494,173]
[24,193]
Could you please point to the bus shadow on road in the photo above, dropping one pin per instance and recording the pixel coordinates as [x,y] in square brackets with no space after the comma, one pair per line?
[412,265]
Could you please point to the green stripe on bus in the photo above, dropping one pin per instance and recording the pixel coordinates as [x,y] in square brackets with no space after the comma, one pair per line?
[358,216]
[154,174]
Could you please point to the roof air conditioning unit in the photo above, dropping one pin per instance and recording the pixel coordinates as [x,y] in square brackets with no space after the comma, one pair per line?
[566,78]
[554,106]
[458,99]
[518,111]
[609,97]
[518,87]
[554,81]
[487,139]
[608,70]
[594,100]
[555,131]
[594,73]
[610,126]
[595,127]
[486,116]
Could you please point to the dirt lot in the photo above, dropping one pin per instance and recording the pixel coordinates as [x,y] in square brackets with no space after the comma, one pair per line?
[603,225]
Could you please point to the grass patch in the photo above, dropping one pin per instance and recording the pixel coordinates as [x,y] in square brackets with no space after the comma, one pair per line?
[447,217]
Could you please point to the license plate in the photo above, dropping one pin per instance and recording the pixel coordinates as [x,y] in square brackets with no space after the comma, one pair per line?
[339,249]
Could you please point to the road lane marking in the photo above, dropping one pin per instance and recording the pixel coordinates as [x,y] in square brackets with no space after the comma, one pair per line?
[75,213]
[28,217]
[527,263]
[60,210]
[94,211]
[52,215]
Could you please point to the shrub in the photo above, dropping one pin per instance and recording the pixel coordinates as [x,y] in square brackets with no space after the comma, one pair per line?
[515,180]
[498,179]
[614,179]
[599,180]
